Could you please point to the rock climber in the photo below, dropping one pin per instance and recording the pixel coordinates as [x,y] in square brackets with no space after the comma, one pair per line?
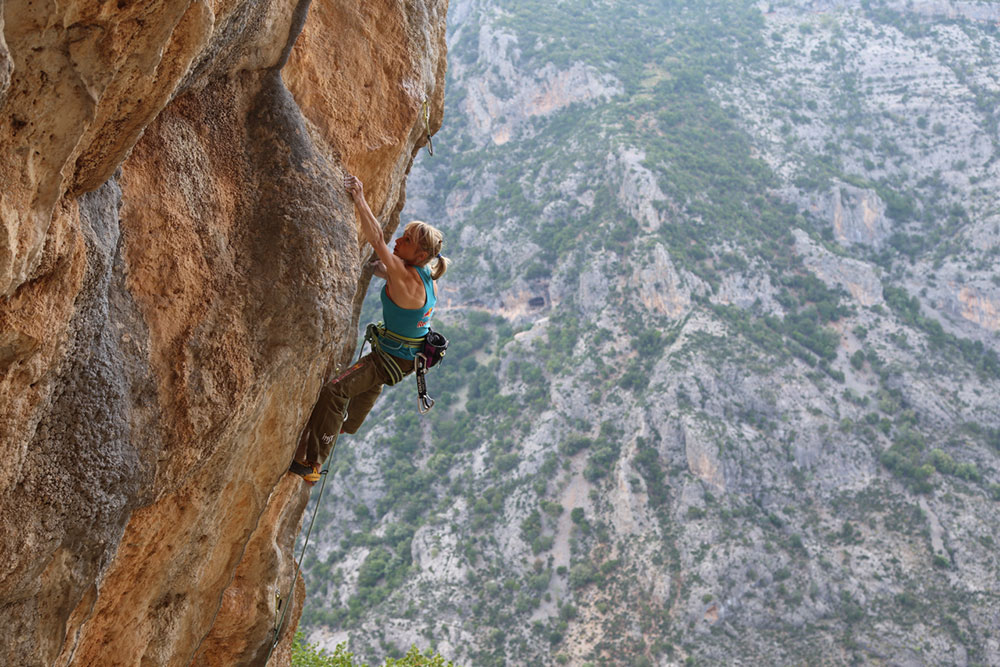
[411,270]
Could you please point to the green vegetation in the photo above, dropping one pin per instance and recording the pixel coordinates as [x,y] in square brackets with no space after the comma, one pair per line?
[982,359]
[802,332]
[526,425]
[309,655]
[905,457]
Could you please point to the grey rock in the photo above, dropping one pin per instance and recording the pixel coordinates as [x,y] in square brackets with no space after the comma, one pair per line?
[854,276]
[6,65]
[639,191]
[857,215]
[659,287]
[500,104]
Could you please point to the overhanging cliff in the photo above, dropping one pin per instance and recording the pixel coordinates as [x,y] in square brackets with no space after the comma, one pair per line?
[179,269]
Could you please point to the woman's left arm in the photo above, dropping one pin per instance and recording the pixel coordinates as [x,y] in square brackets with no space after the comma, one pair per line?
[393,267]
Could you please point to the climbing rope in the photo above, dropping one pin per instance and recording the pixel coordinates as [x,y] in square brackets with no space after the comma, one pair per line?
[279,622]
[372,334]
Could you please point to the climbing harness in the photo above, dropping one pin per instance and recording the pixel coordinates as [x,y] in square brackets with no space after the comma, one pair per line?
[381,338]
[428,351]
[280,621]
[427,127]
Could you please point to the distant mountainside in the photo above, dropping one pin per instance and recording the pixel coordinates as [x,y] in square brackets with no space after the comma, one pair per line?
[723,381]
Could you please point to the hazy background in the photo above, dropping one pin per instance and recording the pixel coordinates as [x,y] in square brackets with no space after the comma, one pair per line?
[723,376]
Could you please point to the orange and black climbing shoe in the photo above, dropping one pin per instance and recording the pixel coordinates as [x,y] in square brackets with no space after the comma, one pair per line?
[308,471]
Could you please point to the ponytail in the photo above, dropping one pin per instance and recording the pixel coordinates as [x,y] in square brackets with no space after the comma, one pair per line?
[440,266]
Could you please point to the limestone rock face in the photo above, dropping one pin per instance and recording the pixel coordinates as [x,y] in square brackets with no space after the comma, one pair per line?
[639,190]
[179,270]
[502,103]
[660,287]
[851,275]
[856,215]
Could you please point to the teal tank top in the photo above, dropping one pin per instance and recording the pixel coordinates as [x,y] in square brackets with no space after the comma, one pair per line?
[408,322]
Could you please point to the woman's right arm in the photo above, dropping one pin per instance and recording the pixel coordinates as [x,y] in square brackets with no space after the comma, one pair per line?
[378,268]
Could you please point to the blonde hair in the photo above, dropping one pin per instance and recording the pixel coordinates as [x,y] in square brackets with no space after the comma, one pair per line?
[429,239]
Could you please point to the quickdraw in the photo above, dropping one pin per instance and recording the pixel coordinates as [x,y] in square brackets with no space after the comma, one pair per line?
[424,402]
[427,127]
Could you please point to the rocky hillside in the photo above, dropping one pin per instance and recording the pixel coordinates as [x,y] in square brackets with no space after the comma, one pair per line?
[724,373]
[179,268]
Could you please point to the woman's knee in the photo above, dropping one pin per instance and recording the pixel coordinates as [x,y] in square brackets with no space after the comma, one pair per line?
[333,398]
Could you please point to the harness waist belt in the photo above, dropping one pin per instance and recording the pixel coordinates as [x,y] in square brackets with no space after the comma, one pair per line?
[377,335]
[402,341]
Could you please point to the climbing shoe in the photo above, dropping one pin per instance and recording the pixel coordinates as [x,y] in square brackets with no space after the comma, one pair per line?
[308,471]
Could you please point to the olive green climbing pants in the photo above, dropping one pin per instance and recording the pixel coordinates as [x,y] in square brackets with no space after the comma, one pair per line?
[354,392]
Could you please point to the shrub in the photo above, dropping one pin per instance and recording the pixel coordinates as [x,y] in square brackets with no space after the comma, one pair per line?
[309,655]
[650,344]
[635,378]
[582,574]
[553,509]
[695,513]
[507,462]
[531,527]
[575,444]
[374,567]
[942,462]
[968,472]
[542,543]
[600,461]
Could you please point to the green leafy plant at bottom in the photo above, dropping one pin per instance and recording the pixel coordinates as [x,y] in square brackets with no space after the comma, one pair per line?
[310,655]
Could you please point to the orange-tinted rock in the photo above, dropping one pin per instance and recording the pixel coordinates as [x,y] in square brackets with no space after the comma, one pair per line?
[179,270]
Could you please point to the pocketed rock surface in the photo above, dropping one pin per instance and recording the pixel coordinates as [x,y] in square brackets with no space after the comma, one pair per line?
[179,269]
